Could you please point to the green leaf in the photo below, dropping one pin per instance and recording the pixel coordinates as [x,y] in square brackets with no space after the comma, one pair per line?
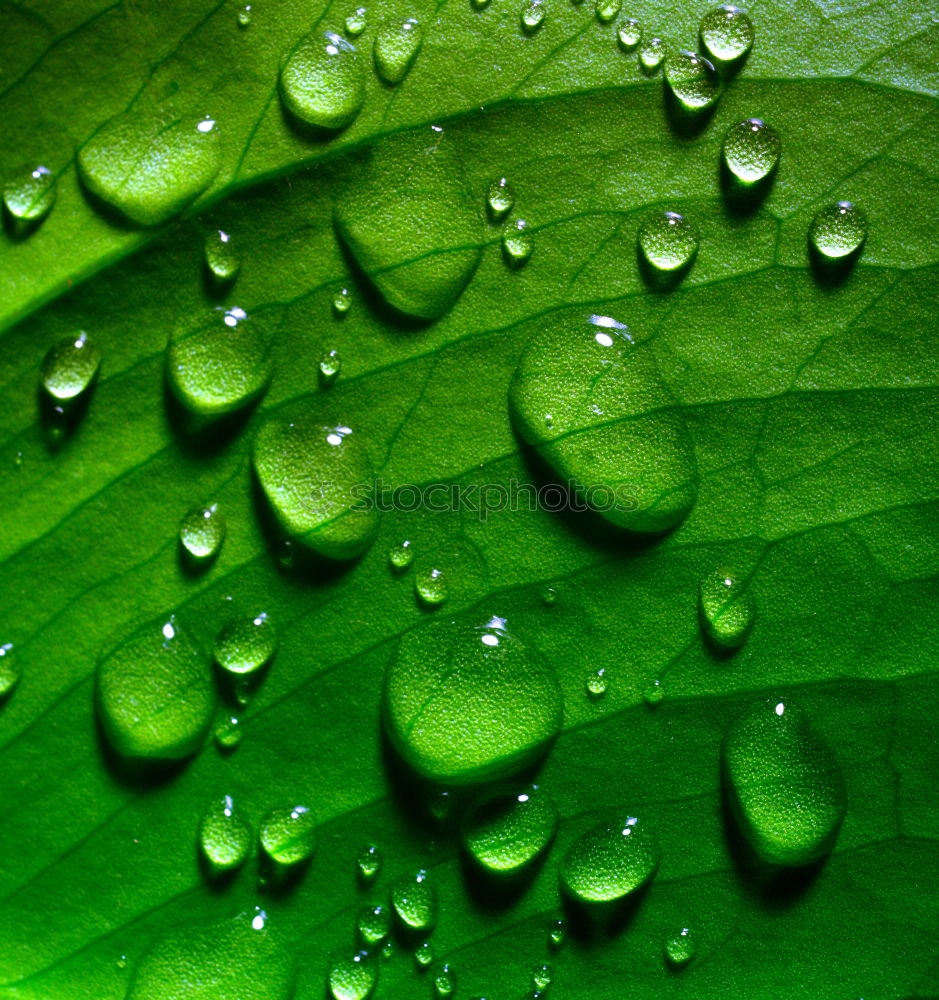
[809,396]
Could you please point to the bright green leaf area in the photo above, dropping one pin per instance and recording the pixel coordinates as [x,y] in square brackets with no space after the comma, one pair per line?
[810,396]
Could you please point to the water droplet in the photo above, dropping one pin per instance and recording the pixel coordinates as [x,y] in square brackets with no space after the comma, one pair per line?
[506,829]
[549,595]
[610,861]
[557,933]
[244,16]
[221,256]
[838,230]
[150,168]
[18,460]
[122,962]
[652,53]
[727,32]
[615,433]
[668,241]
[356,22]
[654,693]
[541,976]
[679,950]
[202,532]
[596,683]
[466,701]
[29,193]
[70,367]
[629,33]
[228,732]
[310,473]
[155,694]
[220,366]
[353,978]
[444,982]
[9,669]
[533,13]
[751,149]
[396,48]
[692,79]
[431,587]
[369,863]
[480,4]
[245,645]
[224,837]
[374,923]
[288,834]
[517,242]
[330,366]
[388,950]
[415,901]
[727,608]
[411,222]
[500,199]
[342,302]
[606,10]
[323,83]
[424,954]
[401,555]
[786,788]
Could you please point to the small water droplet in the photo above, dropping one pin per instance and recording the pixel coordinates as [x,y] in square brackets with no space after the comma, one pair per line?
[323,84]
[29,193]
[244,16]
[557,933]
[401,555]
[9,669]
[610,861]
[374,923]
[517,242]
[424,954]
[288,834]
[228,732]
[396,48]
[330,366]
[654,693]
[533,13]
[431,586]
[500,199]
[356,22]
[122,962]
[69,368]
[541,976]
[224,837]
[18,460]
[727,607]
[480,4]
[838,230]
[342,302]
[415,901]
[607,10]
[508,828]
[629,33]
[353,978]
[369,863]
[549,595]
[692,79]
[727,32]
[221,256]
[668,241]
[679,950]
[202,532]
[245,645]
[388,950]
[652,53]
[596,683]
[751,149]
[444,982]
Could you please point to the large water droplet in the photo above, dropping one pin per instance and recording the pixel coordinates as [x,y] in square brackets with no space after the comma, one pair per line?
[500,198]
[445,982]
[202,532]
[396,48]
[727,607]
[415,901]
[245,645]
[751,149]
[606,10]
[323,83]
[431,587]
[692,79]
[29,193]
[838,230]
[9,669]
[221,256]
[615,432]
[155,694]
[533,13]
[506,830]
[369,862]
[517,242]
[466,701]
[411,222]
[629,33]
[610,861]
[288,834]
[374,923]
[785,786]
[224,837]
[150,168]
[356,22]
[353,977]
[727,32]
[668,241]
[70,367]
[652,53]
[220,366]
[679,950]
[310,472]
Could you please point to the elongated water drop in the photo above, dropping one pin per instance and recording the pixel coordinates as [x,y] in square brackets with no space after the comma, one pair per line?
[533,13]
[310,471]
[727,607]
[651,54]
[541,976]
[465,700]
[9,669]
[322,83]
[500,199]
[356,22]
[396,48]
[629,33]
[330,366]
[668,241]
[69,368]
[29,193]
[517,242]
[221,256]
[245,645]
[150,168]
[615,432]
[838,230]
[369,863]
[342,302]
[596,683]
[557,933]
[680,950]
[221,365]
[432,587]
[727,32]
[353,977]
[610,861]
[224,837]
[751,149]
[785,786]
[444,982]
[374,923]
[228,733]
[202,532]
[415,901]
[692,79]
[506,829]
[606,10]
[244,16]
[424,954]
[288,834]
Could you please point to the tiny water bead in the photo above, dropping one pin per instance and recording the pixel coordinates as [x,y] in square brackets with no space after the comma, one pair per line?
[533,13]
[396,48]
[444,982]
[330,366]
[751,149]
[727,32]
[342,302]
[500,198]
[401,555]
[692,79]
[431,586]
[374,923]
[228,732]
[288,834]
[356,22]
[652,53]
[607,10]
[465,700]
[838,230]
[424,954]
[668,241]
[354,977]
[596,683]
[557,933]
[245,645]
[322,83]
[654,693]
[505,830]
[517,242]
[415,901]
[549,596]
[680,950]
[221,256]
[202,532]
[69,368]
[9,669]
[29,193]
[629,33]
[541,976]
[610,861]
[369,863]
[244,16]
[224,837]
[150,168]
[785,786]
[727,607]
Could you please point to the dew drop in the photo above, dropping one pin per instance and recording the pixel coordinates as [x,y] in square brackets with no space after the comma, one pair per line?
[353,978]
[374,923]
[838,230]
[342,302]
[330,366]
[9,669]
[692,79]
[396,48]
[444,982]
[424,954]
[356,22]
[480,4]
[786,788]
[549,595]
[668,241]
[541,976]
[431,587]
[228,733]
[322,83]
[517,242]
[221,257]
[751,149]
[557,933]
[401,555]
[727,608]
[369,863]
[202,532]
[533,13]
[29,194]
[654,693]
[388,950]
[415,901]
[288,834]
[596,683]
[500,199]
[607,10]
[69,368]
[244,16]
[629,33]
[506,829]
[651,54]
[224,836]
[727,32]
[679,950]
[245,645]
[610,861]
